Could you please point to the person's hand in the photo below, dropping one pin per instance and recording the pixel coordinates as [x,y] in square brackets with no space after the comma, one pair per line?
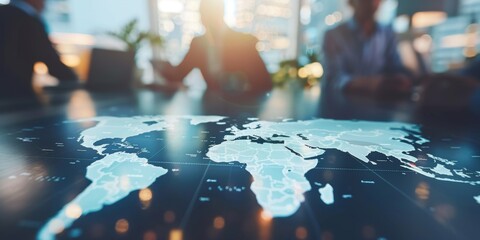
[163,68]
[166,88]
[381,86]
[364,85]
[396,85]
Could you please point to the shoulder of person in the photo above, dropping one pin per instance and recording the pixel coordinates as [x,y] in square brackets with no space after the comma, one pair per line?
[333,35]
[243,37]
[21,18]
[386,28]
[198,42]
[7,7]
[11,11]
[339,31]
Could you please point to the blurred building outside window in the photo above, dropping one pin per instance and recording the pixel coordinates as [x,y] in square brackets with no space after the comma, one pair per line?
[77,26]
[286,29]
[457,39]
[274,23]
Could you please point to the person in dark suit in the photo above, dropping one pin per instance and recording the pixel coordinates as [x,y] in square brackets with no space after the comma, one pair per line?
[458,91]
[228,60]
[23,42]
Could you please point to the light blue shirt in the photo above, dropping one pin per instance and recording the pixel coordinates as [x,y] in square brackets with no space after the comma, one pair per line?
[348,53]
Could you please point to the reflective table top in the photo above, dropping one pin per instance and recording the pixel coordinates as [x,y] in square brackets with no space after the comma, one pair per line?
[290,164]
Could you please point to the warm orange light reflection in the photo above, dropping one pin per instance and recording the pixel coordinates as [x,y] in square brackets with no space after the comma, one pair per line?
[444,212]
[169,217]
[73,211]
[121,226]
[427,19]
[314,70]
[219,223]
[422,191]
[266,216]
[368,232]
[470,49]
[327,235]
[328,175]
[423,43]
[150,235]
[265,224]
[40,68]
[81,106]
[176,234]
[145,195]
[301,233]
[454,41]
[70,60]
[56,226]
[72,39]
[280,43]
[303,73]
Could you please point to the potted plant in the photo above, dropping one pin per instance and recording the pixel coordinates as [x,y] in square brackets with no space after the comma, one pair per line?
[134,38]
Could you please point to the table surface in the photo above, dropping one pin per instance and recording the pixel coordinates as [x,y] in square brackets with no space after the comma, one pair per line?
[43,168]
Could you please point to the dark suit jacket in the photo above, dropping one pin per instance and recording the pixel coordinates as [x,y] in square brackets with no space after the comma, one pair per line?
[23,42]
[239,58]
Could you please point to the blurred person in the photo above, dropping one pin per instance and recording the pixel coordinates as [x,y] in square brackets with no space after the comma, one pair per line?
[23,42]
[228,60]
[361,55]
[458,92]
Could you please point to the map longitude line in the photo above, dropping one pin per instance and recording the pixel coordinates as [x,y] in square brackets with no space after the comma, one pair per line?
[60,158]
[387,182]
[401,192]
[214,164]
[12,133]
[219,165]
[316,168]
[279,175]
[154,155]
[186,216]
[312,218]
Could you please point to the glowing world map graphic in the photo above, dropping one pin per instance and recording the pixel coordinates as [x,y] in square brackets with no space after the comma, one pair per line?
[276,154]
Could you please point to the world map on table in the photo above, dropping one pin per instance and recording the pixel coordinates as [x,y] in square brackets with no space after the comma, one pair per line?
[276,154]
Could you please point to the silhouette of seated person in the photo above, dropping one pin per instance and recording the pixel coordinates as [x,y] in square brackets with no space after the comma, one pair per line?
[361,55]
[459,92]
[23,42]
[228,60]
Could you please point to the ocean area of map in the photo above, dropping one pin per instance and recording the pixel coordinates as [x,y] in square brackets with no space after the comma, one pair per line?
[277,154]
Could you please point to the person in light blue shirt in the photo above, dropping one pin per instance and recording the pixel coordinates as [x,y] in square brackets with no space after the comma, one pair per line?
[361,55]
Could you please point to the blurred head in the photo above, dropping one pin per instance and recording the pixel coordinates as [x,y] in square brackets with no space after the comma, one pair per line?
[212,12]
[39,5]
[365,10]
